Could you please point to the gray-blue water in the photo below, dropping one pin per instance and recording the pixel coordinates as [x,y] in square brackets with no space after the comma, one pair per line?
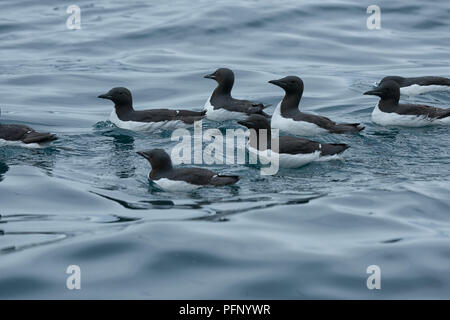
[305,233]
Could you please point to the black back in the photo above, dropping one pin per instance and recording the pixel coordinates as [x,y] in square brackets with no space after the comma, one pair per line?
[25,134]
[421,81]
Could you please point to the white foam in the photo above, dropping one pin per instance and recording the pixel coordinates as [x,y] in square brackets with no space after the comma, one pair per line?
[395,119]
[220,114]
[23,145]
[147,126]
[302,128]
[416,89]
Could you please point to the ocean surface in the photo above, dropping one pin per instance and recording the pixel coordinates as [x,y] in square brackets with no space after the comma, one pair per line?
[308,233]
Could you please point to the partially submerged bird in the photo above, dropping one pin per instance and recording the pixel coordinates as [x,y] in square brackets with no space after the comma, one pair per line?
[221,106]
[181,179]
[24,135]
[287,116]
[389,112]
[418,85]
[293,152]
[124,116]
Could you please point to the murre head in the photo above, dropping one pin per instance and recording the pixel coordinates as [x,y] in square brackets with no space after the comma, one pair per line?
[158,158]
[290,84]
[119,95]
[224,77]
[388,90]
[255,121]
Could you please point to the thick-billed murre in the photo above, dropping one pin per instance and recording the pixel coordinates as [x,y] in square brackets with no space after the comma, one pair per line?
[287,116]
[293,152]
[18,133]
[221,106]
[389,112]
[181,179]
[124,116]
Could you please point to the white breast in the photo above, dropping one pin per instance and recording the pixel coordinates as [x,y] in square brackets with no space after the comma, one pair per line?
[416,89]
[395,119]
[220,114]
[330,158]
[175,186]
[147,126]
[23,145]
[286,160]
[301,128]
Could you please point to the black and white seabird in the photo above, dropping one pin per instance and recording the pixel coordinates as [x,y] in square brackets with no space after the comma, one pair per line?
[419,85]
[287,116]
[181,179]
[18,133]
[389,112]
[293,152]
[124,116]
[221,106]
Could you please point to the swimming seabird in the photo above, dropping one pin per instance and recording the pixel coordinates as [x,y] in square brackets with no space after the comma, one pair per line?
[292,152]
[221,106]
[24,134]
[389,112]
[124,116]
[181,179]
[287,116]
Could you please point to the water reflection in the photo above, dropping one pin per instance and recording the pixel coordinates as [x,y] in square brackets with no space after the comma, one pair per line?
[3,169]
[121,153]
[44,159]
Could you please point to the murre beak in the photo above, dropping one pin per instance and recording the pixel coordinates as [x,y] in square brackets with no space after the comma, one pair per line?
[105,96]
[279,83]
[210,76]
[142,154]
[375,92]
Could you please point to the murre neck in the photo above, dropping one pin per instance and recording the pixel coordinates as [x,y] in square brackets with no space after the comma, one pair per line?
[293,88]
[123,108]
[224,88]
[162,166]
[290,101]
[225,80]
[384,103]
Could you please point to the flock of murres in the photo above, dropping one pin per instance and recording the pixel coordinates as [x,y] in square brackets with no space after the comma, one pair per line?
[292,150]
